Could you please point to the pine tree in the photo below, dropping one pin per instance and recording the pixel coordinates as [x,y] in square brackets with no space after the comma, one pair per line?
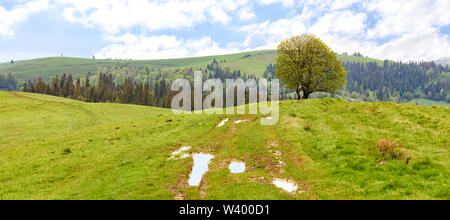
[77,92]
[25,88]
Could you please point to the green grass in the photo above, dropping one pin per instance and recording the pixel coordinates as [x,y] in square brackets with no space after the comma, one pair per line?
[255,64]
[54,148]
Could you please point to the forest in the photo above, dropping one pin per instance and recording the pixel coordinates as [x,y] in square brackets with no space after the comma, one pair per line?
[390,81]
[112,87]
[8,82]
[397,81]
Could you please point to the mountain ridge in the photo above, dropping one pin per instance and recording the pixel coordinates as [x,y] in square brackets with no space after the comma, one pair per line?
[250,63]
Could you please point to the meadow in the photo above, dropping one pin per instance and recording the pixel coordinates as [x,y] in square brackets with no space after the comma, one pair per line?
[55,148]
[250,63]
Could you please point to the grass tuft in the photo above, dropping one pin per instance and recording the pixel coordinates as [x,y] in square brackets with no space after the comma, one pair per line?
[390,149]
[307,126]
[66,151]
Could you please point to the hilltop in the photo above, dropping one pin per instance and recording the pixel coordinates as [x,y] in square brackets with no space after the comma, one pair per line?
[55,148]
[251,63]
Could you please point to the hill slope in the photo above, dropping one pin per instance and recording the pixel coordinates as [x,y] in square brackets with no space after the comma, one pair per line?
[254,62]
[54,148]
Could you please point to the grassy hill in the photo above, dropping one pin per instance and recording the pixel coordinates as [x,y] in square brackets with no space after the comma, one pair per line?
[54,148]
[254,64]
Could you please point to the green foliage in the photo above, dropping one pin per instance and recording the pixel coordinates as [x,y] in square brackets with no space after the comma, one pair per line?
[397,81]
[8,82]
[306,64]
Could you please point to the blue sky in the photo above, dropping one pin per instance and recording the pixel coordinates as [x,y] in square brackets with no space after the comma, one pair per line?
[140,29]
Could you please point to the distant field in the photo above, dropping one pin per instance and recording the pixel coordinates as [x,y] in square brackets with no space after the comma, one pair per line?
[428,102]
[27,116]
[255,64]
[55,148]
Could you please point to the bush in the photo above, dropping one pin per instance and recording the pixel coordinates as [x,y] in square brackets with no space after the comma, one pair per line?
[390,149]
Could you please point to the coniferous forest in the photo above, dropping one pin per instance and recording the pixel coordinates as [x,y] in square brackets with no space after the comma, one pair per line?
[390,81]
[152,91]
[396,81]
[8,83]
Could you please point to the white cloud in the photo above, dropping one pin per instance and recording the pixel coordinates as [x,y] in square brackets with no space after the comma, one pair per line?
[219,16]
[405,16]
[340,22]
[130,46]
[385,29]
[411,27]
[246,13]
[285,3]
[342,4]
[18,14]
[114,16]
[273,32]
[414,46]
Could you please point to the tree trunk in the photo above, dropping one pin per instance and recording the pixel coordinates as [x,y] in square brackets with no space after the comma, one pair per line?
[298,94]
[306,94]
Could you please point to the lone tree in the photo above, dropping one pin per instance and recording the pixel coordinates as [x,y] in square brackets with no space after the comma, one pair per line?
[305,64]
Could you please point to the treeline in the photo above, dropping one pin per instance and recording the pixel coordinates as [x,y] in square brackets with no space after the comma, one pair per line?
[8,83]
[391,81]
[127,92]
[397,81]
[152,91]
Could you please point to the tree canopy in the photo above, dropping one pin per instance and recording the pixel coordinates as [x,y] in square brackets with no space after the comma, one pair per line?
[8,82]
[305,64]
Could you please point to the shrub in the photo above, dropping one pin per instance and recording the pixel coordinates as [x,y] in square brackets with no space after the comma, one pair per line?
[390,149]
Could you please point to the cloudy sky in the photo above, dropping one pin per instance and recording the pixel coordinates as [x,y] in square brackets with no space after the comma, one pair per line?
[149,29]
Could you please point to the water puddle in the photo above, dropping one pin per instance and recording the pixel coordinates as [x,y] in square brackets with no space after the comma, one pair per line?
[201,162]
[237,167]
[240,121]
[286,185]
[223,123]
[180,151]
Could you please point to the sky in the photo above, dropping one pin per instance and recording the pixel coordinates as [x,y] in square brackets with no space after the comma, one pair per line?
[400,30]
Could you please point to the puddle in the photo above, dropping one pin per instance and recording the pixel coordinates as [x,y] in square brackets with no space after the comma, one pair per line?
[201,162]
[269,118]
[240,121]
[181,150]
[281,163]
[237,167]
[286,185]
[184,156]
[222,123]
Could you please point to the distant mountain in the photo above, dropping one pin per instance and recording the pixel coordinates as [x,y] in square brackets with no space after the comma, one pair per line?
[444,61]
